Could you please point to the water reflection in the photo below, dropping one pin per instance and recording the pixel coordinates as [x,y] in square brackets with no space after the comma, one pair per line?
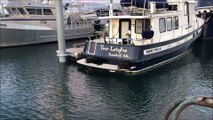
[203,50]
[35,86]
[155,91]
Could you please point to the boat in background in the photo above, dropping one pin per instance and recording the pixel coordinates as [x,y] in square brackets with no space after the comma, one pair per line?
[144,37]
[32,22]
[205,10]
[99,24]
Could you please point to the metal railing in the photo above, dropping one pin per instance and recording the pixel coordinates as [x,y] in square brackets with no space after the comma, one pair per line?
[79,24]
[102,13]
[129,8]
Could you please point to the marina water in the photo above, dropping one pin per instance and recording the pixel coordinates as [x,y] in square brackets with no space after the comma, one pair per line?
[34,85]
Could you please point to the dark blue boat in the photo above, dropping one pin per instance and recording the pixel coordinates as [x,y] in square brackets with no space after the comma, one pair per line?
[141,41]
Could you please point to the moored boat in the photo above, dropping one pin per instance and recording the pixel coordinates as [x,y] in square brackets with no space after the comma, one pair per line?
[32,22]
[144,37]
[205,10]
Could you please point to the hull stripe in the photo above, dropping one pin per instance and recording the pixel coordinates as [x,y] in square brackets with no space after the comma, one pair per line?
[166,47]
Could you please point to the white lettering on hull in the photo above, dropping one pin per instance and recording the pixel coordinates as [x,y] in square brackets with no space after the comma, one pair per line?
[166,47]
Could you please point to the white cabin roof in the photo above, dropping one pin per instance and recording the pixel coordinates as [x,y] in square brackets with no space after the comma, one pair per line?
[27,3]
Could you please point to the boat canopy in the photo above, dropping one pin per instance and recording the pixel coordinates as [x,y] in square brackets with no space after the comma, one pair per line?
[142,3]
[204,3]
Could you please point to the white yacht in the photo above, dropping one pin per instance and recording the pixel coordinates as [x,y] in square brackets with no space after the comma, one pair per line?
[144,36]
[32,22]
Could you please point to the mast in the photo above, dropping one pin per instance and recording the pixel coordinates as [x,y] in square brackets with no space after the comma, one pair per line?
[111,8]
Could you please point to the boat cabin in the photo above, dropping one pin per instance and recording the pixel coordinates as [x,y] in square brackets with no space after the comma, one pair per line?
[153,23]
[29,8]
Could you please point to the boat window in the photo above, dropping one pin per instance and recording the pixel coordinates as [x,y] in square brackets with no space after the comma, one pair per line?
[142,25]
[38,12]
[169,24]
[21,10]
[173,7]
[47,12]
[34,11]
[15,11]
[162,25]
[9,10]
[176,22]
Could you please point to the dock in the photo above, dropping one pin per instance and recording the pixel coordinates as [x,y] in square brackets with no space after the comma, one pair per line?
[75,53]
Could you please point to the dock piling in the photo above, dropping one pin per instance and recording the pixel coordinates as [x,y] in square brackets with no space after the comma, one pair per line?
[60,32]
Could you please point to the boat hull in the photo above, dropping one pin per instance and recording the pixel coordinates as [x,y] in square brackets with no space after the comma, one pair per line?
[18,37]
[134,59]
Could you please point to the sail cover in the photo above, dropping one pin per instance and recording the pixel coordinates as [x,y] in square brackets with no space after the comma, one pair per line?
[142,3]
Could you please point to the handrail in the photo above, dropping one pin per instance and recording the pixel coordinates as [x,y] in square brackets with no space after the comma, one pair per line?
[180,105]
[129,9]
[79,23]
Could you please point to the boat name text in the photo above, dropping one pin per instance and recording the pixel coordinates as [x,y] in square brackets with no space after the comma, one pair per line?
[119,52]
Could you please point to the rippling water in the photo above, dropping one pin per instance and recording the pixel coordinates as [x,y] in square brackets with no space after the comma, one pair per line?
[35,86]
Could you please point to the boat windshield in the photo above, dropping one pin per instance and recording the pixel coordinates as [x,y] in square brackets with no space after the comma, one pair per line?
[10,11]
[47,12]
[15,11]
[21,10]
[34,11]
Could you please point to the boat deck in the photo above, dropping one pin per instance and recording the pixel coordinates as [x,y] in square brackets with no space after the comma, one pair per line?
[110,67]
[75,53]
